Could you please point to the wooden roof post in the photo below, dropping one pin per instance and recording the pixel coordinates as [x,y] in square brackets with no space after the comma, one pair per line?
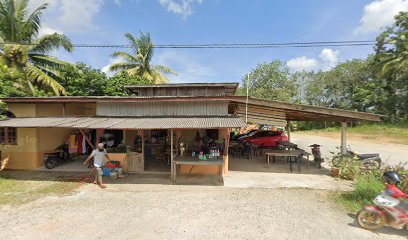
[288,130]
[171,156]
[343,137]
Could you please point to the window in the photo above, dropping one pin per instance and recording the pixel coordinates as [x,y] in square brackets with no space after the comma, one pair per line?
[261,134]
[8,136]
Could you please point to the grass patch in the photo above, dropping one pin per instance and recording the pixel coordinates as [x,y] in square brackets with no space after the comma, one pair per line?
[394,133]
[13,191]
[367,187]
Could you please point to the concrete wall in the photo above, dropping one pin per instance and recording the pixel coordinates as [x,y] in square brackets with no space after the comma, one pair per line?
[25,154]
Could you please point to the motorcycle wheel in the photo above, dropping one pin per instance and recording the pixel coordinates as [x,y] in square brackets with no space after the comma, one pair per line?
[370,220]
[376,164]
[50,164]
[336,161]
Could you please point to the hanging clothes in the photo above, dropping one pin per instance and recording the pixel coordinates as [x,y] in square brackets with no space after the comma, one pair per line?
[84,145]
[80,139]
[73,145]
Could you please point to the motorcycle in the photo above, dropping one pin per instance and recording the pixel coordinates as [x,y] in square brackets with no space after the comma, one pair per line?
[317,155]
[59,156]
[368,160]
[387,210]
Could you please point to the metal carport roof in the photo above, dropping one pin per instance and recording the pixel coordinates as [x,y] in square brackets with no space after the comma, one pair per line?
[126,123]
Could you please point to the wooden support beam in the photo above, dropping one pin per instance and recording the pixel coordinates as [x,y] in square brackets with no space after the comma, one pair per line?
[172,174]
[64,109]
[87,139]
[289,130]
[343,137]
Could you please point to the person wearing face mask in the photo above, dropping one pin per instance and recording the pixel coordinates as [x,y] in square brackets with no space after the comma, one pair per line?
[98,155]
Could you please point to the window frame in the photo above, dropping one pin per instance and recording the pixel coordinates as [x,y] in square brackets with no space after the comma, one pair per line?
[9,139]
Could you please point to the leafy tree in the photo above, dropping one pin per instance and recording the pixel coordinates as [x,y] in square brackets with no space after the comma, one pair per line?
[391,62]
[82,80]
[22,49]
[270,81]
[115,85]
[349,85]
[139,62]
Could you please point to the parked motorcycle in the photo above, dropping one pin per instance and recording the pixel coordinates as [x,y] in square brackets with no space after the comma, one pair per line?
[317,155]
[61,155]
[368,160]
[390,208]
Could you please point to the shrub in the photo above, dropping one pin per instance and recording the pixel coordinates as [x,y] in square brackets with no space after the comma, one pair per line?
[349,167]
[368,183]
[367,187]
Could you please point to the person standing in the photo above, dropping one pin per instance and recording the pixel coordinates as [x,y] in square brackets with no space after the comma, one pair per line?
[98,155]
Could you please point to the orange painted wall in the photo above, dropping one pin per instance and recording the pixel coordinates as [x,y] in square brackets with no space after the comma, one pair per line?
[199,170]
[34,142]
[25,154]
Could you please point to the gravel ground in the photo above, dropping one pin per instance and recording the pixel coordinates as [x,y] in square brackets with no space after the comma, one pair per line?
[391,153]
[157,211]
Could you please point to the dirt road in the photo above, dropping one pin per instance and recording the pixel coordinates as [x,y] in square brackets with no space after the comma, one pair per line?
[151,211]
[391,153]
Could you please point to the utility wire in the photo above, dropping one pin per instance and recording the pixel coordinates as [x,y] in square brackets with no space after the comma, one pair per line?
[235,45]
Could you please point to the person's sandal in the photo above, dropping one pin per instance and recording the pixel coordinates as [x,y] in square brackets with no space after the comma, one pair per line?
[102,185]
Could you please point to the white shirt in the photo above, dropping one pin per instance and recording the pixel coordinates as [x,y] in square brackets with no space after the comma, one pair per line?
[99,157]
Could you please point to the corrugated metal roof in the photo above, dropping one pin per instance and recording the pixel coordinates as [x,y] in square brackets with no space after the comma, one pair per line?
[126,123]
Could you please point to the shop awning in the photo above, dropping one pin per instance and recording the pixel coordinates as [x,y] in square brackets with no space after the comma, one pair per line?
[126,123]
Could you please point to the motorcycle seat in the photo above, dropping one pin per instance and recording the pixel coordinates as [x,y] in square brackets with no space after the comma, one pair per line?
[368,155]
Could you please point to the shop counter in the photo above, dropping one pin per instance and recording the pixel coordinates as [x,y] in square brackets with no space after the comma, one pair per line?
[182,164]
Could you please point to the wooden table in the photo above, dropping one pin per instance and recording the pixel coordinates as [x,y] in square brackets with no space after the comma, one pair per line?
[194,161]
[289,154]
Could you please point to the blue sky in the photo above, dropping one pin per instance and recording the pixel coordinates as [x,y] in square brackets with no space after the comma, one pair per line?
[221,21]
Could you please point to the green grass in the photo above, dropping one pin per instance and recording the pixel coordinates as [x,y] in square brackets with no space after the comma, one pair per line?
[394,133]
[366,189]
[14,191]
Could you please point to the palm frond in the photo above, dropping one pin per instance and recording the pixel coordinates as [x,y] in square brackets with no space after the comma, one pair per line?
[164,70]
[51,42]
[45,60]
[35,75]
[32,25]
[133,42]
[159,78]
[122,66]
[125,56]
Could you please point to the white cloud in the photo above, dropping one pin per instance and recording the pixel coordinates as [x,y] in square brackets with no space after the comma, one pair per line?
[73,16]
[302,63]
[111,61]
[45,30]
[78,15]
[379,14]
[181,7]
[187,67]
[329,58]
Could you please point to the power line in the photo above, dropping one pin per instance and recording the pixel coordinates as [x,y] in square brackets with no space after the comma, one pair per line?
[236,45]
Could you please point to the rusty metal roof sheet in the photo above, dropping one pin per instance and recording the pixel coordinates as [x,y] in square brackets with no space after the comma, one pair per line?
[126,123]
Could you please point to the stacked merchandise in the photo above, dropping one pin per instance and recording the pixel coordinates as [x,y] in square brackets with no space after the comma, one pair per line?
[113,170]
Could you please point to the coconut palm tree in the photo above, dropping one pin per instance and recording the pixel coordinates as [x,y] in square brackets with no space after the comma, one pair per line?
[138,63]
[22,49]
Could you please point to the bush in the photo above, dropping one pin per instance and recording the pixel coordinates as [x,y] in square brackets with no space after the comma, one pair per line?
[368,183]
[349,167]
[367,187]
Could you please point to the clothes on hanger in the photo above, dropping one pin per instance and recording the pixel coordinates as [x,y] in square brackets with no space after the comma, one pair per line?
[72,143]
